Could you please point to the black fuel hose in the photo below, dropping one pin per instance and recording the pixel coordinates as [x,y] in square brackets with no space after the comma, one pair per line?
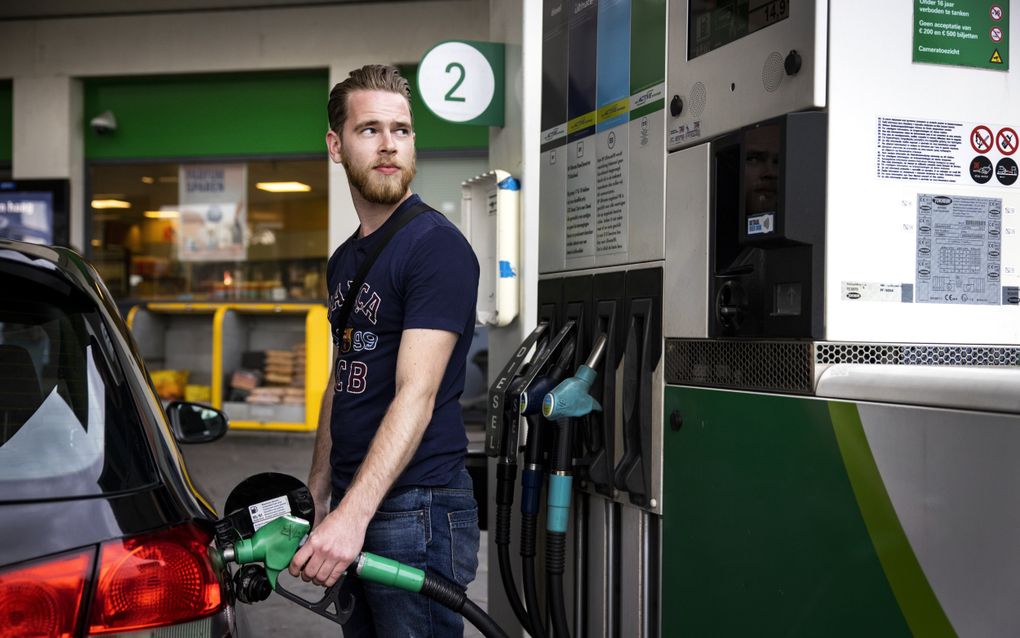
[555,562]
[531,484]
[506,477]
[529,522]
[453,597]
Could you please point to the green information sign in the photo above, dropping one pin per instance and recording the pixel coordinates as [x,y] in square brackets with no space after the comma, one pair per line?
[962,33]
[463,82]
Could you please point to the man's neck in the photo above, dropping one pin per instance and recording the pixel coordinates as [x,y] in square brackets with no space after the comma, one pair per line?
[371,215]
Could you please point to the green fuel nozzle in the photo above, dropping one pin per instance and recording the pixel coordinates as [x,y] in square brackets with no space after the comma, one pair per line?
[273,545]
[571,397]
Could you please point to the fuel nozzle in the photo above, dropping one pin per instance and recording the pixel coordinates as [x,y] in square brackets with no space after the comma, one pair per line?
[531,397]
[273,545]
[571,398]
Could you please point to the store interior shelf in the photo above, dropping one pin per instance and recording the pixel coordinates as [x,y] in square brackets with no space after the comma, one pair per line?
[211,340]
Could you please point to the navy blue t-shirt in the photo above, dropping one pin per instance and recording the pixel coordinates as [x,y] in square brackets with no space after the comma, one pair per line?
[426,277]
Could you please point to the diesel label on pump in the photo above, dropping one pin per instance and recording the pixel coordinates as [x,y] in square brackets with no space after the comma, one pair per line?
[959,250]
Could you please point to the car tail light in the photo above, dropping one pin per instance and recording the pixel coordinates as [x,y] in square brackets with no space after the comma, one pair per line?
[154,579]
[44,598]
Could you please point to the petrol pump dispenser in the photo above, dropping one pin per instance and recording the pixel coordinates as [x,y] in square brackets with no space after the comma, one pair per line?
[841,325]
[802,247]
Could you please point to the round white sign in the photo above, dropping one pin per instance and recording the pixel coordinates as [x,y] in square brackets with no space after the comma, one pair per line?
[456,81]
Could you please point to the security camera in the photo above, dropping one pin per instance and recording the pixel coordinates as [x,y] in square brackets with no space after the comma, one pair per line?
[104,123]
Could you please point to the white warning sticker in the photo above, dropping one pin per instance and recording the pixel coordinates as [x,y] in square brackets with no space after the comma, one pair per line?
[971,153]
[872,291]
[264,512]
[959,250]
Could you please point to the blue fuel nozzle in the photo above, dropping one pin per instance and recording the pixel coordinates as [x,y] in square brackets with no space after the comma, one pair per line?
[571,398]
[531,398]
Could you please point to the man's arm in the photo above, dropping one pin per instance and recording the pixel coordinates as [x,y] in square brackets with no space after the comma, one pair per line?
[336,542]
[320,474]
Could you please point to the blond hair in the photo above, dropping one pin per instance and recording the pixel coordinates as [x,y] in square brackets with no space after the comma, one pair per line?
[371,77]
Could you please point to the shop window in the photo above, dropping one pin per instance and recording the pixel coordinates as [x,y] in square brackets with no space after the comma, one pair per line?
[223,231]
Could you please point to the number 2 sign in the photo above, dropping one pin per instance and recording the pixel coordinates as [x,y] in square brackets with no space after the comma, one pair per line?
[463,82]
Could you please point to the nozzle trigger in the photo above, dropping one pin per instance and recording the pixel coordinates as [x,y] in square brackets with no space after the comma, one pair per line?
[329,599]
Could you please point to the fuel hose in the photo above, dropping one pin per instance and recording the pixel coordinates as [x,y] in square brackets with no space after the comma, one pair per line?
[390,573]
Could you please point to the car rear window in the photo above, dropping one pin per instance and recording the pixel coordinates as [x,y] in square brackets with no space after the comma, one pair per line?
[68,424]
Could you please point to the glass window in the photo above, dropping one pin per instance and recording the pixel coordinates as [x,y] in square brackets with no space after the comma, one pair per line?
[68,424]
[244,230]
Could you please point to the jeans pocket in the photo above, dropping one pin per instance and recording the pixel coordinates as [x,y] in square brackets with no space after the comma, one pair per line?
[402,536]
[464,539]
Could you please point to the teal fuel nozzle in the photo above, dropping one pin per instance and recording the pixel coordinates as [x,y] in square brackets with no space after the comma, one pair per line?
[273,545]
[571,397]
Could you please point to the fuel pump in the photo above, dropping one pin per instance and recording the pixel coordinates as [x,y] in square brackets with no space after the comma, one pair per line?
[262,534]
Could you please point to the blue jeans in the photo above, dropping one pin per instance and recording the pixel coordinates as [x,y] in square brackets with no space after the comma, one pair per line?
[433,529]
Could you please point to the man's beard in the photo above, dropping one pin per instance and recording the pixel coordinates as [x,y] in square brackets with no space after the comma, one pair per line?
[376,187]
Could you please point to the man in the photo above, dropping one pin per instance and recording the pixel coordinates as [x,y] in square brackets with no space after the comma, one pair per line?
[391,444]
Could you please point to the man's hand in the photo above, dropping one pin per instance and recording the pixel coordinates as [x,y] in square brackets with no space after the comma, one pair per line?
[331,547]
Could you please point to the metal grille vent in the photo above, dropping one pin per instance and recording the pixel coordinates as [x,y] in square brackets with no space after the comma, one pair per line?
[775,366]
[922,355]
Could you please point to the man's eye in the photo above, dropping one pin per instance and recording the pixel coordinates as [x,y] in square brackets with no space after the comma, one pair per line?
[368,131]
[403,132]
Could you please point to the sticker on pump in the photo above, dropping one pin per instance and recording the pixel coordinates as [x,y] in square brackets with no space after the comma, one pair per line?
[761,224]
[265,512]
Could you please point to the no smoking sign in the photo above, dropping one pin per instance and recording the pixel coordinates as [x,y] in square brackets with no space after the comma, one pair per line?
[981,139]
[1006,141]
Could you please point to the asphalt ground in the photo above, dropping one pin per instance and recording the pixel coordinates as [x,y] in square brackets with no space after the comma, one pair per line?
[215,468]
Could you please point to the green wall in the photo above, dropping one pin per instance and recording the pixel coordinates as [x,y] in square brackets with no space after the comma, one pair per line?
[6,121]
[234,114]
[209,115]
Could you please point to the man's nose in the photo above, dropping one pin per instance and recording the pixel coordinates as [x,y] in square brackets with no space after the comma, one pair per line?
[387,143]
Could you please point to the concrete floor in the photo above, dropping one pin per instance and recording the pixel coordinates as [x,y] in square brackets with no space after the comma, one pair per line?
[217,467]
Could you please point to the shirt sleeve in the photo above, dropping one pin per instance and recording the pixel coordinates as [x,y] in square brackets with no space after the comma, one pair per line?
[442,282]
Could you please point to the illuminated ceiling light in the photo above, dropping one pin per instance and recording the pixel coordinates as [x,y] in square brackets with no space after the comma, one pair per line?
[162,214]
[283,187]
[148,180]
[110,203]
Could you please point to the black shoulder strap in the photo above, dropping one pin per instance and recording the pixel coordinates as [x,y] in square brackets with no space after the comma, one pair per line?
[355,289]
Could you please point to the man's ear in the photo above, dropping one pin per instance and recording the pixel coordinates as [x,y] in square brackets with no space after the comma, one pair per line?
[333,146]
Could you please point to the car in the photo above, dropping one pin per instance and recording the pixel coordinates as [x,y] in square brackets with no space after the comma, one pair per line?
[101,529]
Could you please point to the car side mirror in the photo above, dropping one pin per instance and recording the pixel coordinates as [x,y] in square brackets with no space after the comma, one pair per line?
[196,423]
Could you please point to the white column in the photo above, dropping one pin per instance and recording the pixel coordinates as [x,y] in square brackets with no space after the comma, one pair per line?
[49,140]
[343,219]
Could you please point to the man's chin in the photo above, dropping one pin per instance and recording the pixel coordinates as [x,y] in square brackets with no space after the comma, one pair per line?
[384,194]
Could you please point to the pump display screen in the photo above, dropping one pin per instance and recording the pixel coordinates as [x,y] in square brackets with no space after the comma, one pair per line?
[715,23]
